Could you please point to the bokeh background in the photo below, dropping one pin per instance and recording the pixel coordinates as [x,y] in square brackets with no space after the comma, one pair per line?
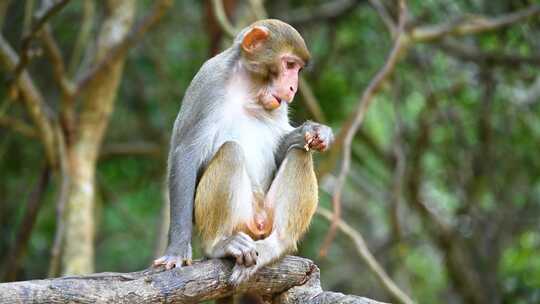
[444,182]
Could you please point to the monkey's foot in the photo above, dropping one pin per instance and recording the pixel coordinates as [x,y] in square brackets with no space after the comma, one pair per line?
[241,274]
[171,261]
[241,247]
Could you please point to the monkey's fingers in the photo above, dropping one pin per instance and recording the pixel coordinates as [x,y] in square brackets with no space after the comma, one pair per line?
[308,137]
[308,145]
[249,259]
[324,138]
[159,262]
[237,254]
[320,146]
[170,264]
[248,254]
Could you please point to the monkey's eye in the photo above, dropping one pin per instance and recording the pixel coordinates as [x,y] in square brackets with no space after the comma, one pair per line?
[291,65]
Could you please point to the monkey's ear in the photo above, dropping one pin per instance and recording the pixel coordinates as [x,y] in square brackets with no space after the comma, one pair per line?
[254,37]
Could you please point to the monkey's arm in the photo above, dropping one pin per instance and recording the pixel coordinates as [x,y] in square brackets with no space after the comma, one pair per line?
[310,134]
[182,182]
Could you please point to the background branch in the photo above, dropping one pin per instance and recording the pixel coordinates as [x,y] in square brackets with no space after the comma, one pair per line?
[142,148]
[469,53]
[89,9]
[310,100]
[17,126]
[41,17]
[55,55]
[119,51]
[327,10]
[222,19]
[33,100]
[468,25]
[368,258]
[351,126]
[61,201]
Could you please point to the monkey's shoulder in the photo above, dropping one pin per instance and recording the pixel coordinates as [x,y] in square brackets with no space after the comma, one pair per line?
[216,69]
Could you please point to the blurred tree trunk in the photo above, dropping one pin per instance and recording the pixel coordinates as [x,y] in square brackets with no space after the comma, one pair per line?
[96,108]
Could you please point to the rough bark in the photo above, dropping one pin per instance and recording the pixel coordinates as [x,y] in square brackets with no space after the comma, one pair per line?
[97,106]
[292,280]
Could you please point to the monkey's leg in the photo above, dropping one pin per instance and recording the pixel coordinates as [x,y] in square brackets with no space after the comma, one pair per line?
[222,201]
[294,195]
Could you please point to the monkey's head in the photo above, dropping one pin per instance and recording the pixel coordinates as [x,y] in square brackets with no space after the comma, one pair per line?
[274,53]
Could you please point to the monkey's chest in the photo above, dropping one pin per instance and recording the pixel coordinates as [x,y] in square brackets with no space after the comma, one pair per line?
[258,142]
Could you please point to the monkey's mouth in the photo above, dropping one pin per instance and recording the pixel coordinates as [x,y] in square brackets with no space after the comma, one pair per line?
[279,100]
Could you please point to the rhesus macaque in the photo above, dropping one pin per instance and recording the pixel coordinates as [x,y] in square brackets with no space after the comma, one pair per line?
[235,162]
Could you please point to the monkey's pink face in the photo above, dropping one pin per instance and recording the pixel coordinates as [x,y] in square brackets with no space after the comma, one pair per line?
[284,83]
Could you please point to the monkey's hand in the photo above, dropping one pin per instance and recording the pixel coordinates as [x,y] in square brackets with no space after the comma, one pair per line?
[175,258]
[316,136]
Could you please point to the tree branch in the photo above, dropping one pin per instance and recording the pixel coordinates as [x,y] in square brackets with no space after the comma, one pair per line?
[469,25]
[85,31]
[368,258]
[222,19]
[205,280]
[325,11]
[384,15]
[141,148]
[95,72]
[469,53]
[61,201]
[17,126]
[33,100]
[41,17]
[311,101]
[55,55]
[353,123]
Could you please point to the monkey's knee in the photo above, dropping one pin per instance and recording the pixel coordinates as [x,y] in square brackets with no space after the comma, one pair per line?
[222,185]
[231,152]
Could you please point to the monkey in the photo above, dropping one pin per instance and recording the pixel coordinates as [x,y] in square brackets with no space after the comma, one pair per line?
[237,170]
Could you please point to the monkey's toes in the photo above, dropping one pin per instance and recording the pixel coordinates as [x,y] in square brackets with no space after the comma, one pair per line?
[243,249]
[172,261]
[244,254]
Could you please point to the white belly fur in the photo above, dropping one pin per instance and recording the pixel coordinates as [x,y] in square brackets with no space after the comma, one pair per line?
[258,140]
[240,119]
